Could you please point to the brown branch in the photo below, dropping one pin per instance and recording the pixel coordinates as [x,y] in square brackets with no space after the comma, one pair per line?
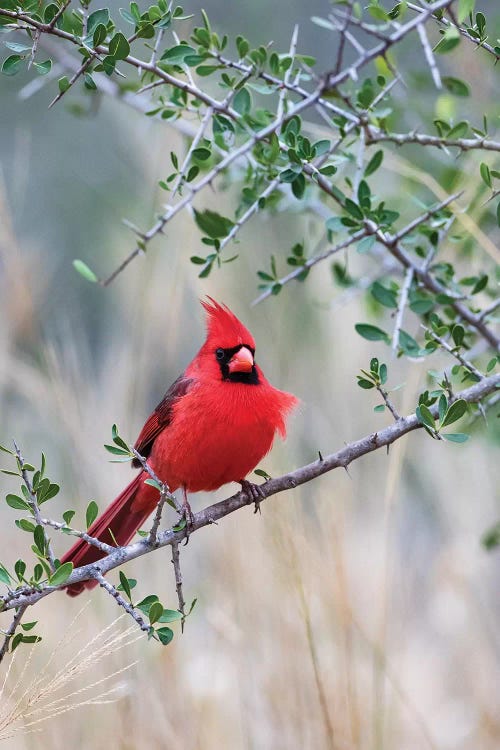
[210,515]
[464,144]
[10,632]
[176,562]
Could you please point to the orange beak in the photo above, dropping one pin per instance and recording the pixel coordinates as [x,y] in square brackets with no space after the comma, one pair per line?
[242,361]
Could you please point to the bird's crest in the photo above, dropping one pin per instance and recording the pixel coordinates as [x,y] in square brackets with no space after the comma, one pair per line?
[223,327]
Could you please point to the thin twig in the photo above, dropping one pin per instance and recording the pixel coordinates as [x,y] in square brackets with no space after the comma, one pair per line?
[464,144]
[454,353]
[10,632]
[310,262]
[490,309]
[403,299]
[129,609]
[176,562]
[33,502]
[429,56]
[61,526]
[293,48]
[388,402]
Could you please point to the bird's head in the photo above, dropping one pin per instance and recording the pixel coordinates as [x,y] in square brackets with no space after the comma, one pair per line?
[229,350]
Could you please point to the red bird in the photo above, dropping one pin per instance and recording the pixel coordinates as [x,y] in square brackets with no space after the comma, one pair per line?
[213,426]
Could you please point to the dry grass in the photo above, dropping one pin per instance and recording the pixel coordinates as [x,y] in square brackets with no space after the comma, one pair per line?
[33,693]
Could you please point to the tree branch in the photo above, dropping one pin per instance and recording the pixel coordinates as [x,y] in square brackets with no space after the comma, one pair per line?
[210,515]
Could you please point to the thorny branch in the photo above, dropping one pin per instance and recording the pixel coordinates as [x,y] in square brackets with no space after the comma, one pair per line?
[25,596]
[176,562]
[329,82]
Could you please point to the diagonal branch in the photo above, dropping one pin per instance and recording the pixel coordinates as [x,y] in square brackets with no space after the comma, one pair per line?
[210,515]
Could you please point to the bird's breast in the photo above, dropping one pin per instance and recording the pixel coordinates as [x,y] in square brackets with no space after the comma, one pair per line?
[217,435]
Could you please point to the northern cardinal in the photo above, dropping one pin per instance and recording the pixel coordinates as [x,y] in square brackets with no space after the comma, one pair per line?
[213,426]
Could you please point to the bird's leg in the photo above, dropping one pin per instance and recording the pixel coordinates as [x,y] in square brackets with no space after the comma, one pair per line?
[186,513]
[254,493]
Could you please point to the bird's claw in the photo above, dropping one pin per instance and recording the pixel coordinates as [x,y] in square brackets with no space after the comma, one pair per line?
[187,514]
[254,493]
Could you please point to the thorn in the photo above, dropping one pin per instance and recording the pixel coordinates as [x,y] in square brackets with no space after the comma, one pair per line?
[320,457]
[346,468]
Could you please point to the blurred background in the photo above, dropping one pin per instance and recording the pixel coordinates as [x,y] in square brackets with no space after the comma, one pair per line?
[360,610]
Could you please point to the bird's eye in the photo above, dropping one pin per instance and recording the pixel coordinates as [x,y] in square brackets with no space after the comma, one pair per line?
[219,353]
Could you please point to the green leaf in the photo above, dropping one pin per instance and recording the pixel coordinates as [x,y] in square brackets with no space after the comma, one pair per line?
[128,17]
[119,48]
[465,8]
[459,130]
[20,569]
[28,625]
[448,42]
[374,163]
[386,297]
[455,437]
[64,85]
[14,501]
[371,333]
[491,538]
[480,284]
[262,473]
[117,451]
[457,87]
[299,186]
[165,635]
[43,68]
[84,270]
[125,584]
[16,47]
[443,406]
[408,344]
[25,525]
[365,384]
[455,412]
[213,224]
[170,615]
[61,575]
[46,491]
[68,516]
[379,408]
[425,417]
[353,209]
[12,65]
[91,513]
[145,604]
[96,18]
[99,35]
[201,154]
[39,537]
[89,82]
[176,55]
[4,576]
[484,171]
[242,101]
[155,612]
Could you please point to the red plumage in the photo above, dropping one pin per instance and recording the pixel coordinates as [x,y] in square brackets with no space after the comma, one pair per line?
[213,426]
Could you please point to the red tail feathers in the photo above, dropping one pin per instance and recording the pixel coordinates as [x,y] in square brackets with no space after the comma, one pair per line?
[116,526]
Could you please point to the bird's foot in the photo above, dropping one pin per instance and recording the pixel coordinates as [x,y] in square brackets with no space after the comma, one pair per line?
[254,493]
[186,514]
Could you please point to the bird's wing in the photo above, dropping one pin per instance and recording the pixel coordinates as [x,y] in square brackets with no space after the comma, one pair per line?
[161,417]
